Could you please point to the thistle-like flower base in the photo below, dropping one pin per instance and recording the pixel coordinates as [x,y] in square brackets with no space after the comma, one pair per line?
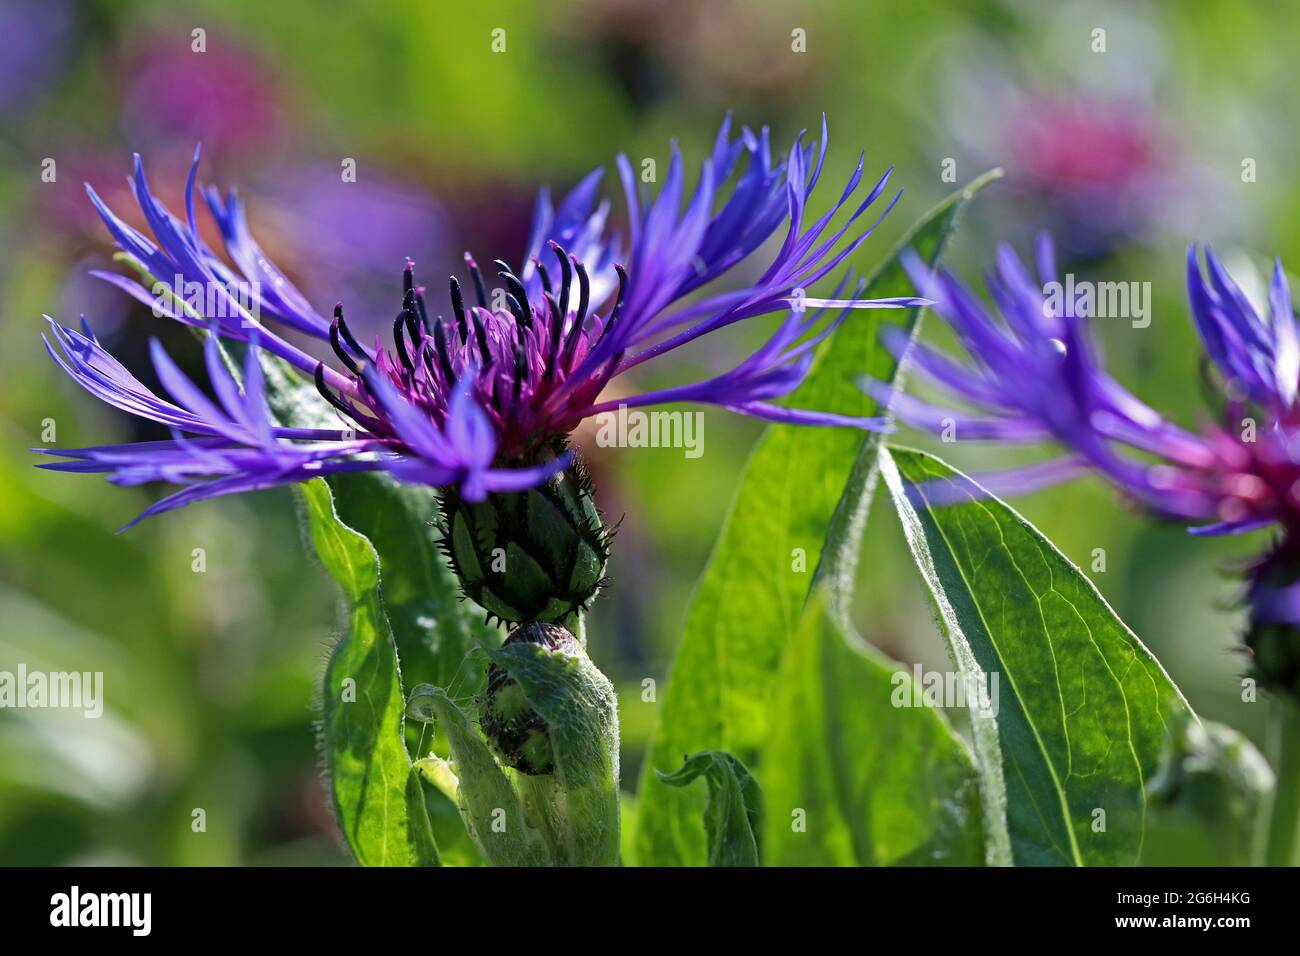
[536,555]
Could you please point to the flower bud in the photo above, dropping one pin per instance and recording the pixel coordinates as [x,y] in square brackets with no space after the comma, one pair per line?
[1203,803]
[536,555]
[516,731]
[552,716]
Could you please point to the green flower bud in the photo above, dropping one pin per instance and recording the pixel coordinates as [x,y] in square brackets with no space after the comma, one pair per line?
[516,731]
[536,555]
[539,784]
[1205,800]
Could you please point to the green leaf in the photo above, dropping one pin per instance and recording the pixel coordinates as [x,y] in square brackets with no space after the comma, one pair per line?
[492,810]
[1082,705]
[436,631]
[854,779]
[377,797]
[751,595]
[732,817]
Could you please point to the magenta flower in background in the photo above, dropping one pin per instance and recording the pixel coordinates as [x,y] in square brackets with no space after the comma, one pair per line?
[477,398]
[1099,156]
[225,95]
[1096,168]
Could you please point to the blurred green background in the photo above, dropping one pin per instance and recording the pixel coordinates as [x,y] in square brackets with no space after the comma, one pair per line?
[1126,153]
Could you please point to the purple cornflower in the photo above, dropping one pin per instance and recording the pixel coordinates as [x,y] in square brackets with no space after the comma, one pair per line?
[1035,375]
[479,400]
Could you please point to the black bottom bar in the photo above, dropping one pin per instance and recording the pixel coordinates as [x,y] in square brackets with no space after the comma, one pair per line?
[488,907]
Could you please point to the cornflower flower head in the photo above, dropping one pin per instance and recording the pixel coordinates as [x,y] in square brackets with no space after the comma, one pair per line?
[1035,375]
[476,399]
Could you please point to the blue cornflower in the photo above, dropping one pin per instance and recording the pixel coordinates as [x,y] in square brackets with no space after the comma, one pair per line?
[1035,375]
[477,402]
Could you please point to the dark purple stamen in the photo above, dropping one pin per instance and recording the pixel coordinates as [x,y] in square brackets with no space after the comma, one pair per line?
[480,290]
[584,300]
[480,334]
[522,318]
[618,302]
[400,342]
[348,337]
[513,285]
[555,324]
[421,310]
[458,307]
[328,394]
[542,273]
[521,372]
[444,360]
[408,313]
[344,357]
[566,280]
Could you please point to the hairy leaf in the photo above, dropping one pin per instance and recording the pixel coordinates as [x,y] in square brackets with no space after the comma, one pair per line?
[436,630]
[733,815]
[377,797]
[1206,803]
[492,810]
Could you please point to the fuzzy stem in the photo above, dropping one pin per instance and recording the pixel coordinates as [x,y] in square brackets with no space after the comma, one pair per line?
[1282,847]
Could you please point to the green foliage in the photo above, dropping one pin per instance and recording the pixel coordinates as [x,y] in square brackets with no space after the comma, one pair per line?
[750,598]
[1083,707]
[436,630]
[576,807]
[568,817]
[852,780]
[218,665]
[491,808]
[733,815]
[377,797]
[1205,803]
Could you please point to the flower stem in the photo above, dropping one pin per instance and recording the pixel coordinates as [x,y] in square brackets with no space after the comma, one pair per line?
[1283,843]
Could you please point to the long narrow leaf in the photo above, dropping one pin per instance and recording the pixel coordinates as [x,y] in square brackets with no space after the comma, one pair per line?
[751,596]
[1083,706]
